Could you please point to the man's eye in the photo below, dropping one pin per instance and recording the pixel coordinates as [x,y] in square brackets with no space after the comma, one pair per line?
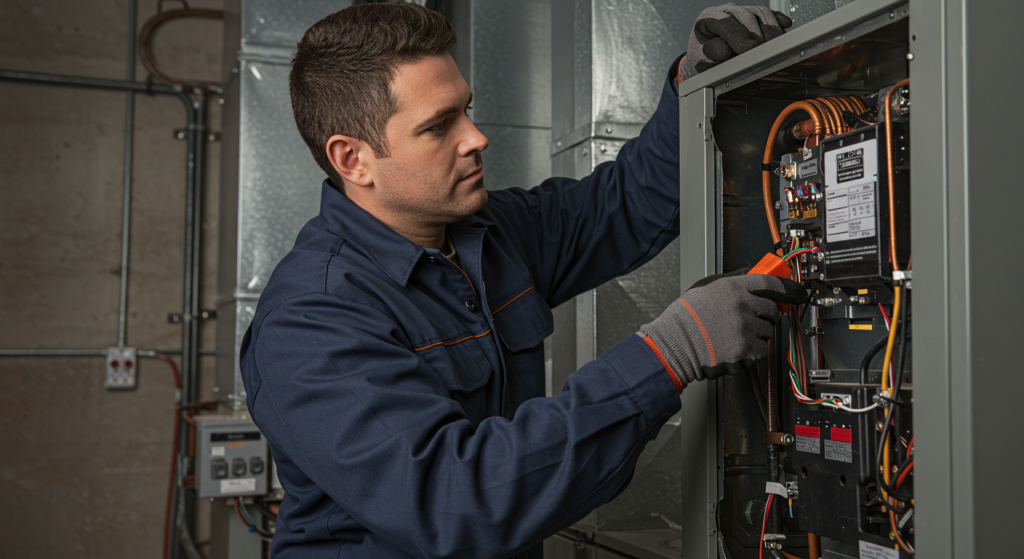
[439,127]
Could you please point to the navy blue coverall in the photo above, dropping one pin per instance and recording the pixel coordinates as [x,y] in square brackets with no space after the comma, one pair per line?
[403,396]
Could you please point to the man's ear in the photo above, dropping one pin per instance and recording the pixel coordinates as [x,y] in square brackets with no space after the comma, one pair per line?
[348,156]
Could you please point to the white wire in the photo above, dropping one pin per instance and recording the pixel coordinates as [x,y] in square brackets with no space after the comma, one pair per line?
[850,410]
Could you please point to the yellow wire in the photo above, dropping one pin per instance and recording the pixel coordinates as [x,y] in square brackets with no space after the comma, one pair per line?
[885,381]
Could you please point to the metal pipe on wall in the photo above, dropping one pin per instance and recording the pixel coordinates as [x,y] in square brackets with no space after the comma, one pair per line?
[195,117]
[126,208]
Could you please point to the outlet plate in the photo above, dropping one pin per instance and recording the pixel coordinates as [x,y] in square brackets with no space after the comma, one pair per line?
[122,364]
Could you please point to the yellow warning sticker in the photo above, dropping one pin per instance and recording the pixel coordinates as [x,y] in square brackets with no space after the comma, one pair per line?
[810,213]
[860,327]
[792,214]
[240,445]
[862,292]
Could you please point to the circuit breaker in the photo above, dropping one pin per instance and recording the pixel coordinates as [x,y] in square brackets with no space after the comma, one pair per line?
[231,457]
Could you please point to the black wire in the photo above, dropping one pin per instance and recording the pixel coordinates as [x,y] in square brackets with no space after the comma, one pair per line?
[894,410]
[245,514]
[259,506]
[866,362]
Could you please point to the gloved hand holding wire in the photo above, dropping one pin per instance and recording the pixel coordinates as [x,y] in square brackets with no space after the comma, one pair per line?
[720,325]
[726,31]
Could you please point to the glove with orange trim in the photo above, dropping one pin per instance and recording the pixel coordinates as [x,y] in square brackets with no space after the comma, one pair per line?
[723,32]
[720,325]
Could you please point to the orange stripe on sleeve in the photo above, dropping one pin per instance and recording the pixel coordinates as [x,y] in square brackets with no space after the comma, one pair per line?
[671,374]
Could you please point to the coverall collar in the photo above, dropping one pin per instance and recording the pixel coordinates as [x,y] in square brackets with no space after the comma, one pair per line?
[394,254]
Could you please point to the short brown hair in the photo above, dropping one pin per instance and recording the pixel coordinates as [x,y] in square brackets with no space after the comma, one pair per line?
[342,70]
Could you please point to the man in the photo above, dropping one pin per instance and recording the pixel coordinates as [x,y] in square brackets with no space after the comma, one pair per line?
[395,362]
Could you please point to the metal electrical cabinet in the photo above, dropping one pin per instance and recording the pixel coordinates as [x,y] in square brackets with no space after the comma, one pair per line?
[955,205]
[232,457]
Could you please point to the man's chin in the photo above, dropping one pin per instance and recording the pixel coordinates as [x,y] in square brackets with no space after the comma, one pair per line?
[478,199]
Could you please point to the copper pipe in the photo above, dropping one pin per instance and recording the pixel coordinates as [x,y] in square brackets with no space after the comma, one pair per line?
[826,119]
[788,555]
[892,175]
[766,178]
[813,546]
[835,113]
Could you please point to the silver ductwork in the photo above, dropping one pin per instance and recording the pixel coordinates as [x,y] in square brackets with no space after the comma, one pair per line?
[610,61]
[270,185]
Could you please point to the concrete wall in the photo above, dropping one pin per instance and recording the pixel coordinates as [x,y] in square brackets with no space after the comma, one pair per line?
[83,470]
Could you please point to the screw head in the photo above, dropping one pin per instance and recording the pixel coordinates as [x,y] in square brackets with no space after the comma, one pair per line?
[910,56]
[892,536]
[778,205]
[608,130]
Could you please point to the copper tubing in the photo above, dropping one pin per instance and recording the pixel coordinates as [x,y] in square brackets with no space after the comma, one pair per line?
[766,177]
[832,127]
[892,186]
[813,546]
[826,119]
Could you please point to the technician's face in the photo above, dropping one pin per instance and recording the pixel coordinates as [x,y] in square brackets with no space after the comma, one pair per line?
[434,171]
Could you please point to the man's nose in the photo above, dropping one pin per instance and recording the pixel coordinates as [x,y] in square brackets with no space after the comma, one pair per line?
[474,140]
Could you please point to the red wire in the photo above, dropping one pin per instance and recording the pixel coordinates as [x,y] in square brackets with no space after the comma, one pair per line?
[885,315]
[174,454]
[899,481]
[767,507]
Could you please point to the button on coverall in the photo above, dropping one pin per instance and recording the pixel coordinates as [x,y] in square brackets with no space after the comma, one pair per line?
[407,423]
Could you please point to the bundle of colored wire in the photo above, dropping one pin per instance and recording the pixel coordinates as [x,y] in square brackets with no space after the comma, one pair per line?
[800,251]
[886,363]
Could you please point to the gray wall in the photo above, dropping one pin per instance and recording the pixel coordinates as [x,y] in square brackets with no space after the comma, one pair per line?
[83,470]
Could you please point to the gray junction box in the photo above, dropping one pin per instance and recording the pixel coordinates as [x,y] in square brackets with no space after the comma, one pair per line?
[231,457]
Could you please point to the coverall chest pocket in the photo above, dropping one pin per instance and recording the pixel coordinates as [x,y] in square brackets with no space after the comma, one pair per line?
[461,363]
[522,325]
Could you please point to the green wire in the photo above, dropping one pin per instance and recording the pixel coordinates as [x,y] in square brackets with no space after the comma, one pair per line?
[792,252]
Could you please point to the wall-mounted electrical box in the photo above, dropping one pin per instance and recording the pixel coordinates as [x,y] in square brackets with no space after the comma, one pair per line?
[231,457]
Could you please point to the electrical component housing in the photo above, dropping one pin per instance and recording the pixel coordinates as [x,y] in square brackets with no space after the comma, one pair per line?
[231,457]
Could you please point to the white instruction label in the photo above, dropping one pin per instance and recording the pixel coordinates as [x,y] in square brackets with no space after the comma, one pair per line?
[851,178]
[872,551]
[851,212]
[240,485]
[217,450]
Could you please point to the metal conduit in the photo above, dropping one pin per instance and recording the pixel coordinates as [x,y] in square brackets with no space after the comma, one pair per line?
[126,207]
[195,111]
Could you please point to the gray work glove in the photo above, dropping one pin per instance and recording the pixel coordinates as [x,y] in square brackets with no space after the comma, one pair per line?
[723,32]
[720,325]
